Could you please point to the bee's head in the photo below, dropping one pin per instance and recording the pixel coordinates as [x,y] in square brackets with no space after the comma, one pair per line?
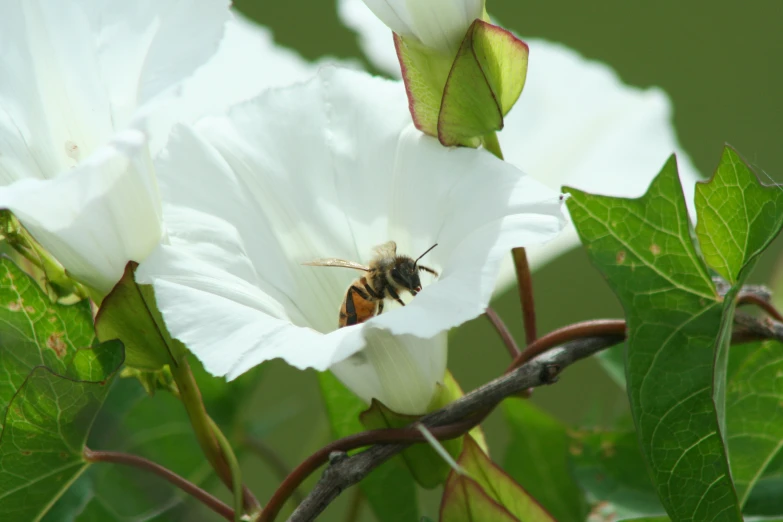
[406,272]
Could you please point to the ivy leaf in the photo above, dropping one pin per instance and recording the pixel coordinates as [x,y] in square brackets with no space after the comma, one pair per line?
[53,381]
[389,489]
[537,459]
[676,325]
[738,217]
[679,328]
[35,332]
[46,427]
[754,406]
[610,468]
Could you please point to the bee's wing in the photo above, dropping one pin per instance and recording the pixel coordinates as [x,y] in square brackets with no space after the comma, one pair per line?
[333,261]
[386,250]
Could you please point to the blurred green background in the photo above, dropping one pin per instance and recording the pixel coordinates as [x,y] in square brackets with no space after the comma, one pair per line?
[720,62]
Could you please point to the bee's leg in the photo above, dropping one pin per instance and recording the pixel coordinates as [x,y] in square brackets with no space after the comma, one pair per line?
[394,295]
[372,292]
[350,308]
[380,307]
[428,269]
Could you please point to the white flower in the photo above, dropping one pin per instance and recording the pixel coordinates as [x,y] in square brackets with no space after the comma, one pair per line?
[84,85]
[575,124]
[438,24]
[331,168]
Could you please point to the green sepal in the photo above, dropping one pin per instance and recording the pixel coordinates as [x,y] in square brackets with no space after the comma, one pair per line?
[427,467]
[464,500]
[486,79]
[424,72]
[496,484]
[152,381]
[460,99]
[129,313]
[449,392]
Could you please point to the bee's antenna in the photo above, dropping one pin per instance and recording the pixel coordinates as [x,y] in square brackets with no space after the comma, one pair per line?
[424,254]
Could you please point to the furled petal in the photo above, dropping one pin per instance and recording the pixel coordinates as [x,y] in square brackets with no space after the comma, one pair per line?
[330,168]
[98,215]
[438,24]
[575,124]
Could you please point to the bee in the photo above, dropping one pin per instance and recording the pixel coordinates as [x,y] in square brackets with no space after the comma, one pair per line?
[387,276]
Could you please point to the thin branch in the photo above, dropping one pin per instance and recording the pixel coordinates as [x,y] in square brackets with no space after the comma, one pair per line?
[273,461]
[182,483]
[505,334]
[346,471]
[351,442]
[758,329]
[612,328]
[525,285]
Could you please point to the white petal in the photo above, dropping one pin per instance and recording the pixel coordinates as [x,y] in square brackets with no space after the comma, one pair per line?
[97,216]
[330,168]
[401,371]
[575,124]
[75,71]
[246,63]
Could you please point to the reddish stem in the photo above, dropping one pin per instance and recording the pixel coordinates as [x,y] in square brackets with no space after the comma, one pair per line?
[505,333]
[594,328]
[753,299]
[182,483]
[525,285]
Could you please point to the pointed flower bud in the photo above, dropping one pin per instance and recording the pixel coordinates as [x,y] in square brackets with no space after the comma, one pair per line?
[462,74]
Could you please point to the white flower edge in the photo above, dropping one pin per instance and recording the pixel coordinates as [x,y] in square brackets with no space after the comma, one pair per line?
[576,123]
[97,216]
[231,286]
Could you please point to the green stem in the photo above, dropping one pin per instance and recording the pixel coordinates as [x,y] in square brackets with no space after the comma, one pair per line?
[207,433]
[492,144]
[233,465]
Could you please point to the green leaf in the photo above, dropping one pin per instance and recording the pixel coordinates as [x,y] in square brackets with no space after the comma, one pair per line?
[465,501]
[499,486]
[676,326]
[35,332]
[45,429]
[485,81]
[129,313]
[156,428]
[679,328]
[613,363]
[537,458]
[754,407]
[610,468]
[738,217]
[389,489]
